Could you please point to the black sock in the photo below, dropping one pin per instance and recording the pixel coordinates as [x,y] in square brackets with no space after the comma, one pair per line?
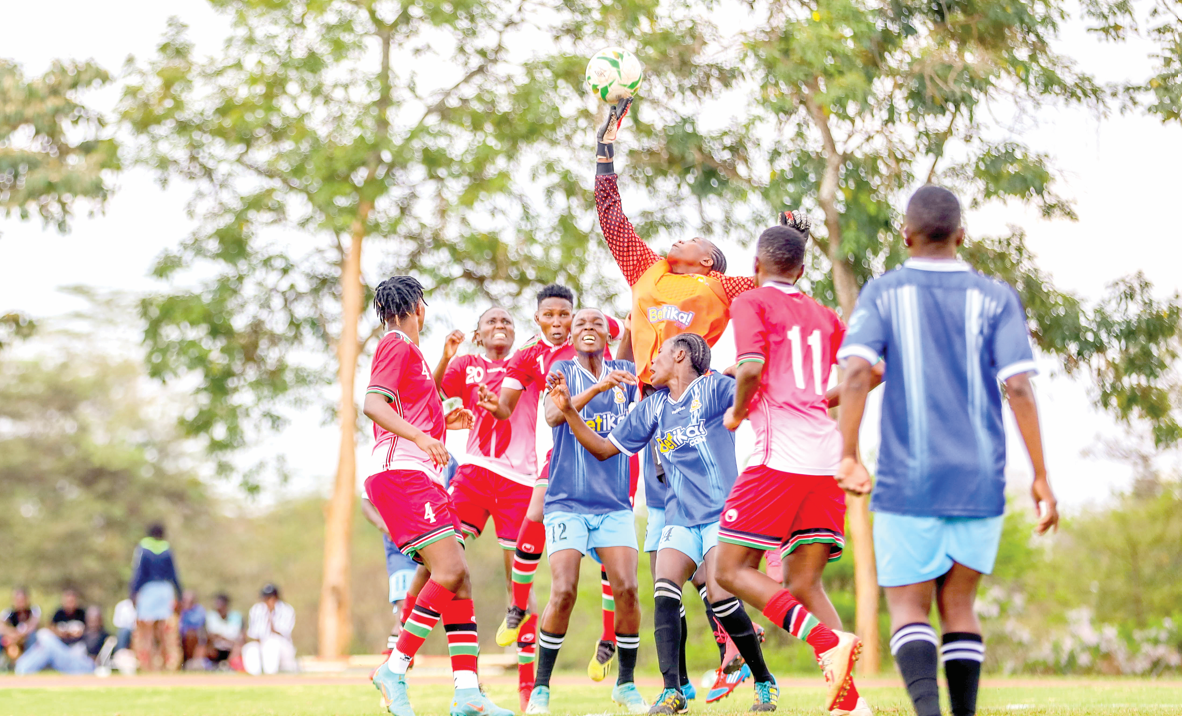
[719,632]
[548,646]
[914,648]
[627,645]
[962,654]
[734,619]
[667,621]
[681,665]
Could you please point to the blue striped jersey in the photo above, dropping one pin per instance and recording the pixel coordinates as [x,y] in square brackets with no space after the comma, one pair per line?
[948,335]
[697,450]
[579,482]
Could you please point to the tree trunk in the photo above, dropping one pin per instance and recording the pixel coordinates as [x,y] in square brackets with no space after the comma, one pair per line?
[335,598]
[846,287]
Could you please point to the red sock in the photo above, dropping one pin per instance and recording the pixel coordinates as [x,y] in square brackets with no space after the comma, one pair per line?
[527,650]
[463,645]
[609,608]
[408,606]
[531,540]
[783,609]
[428,607]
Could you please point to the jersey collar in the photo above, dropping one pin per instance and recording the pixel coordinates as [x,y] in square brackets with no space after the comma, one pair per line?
[400,334]
[945,265]
[687,390]
[787,288]
[596,378]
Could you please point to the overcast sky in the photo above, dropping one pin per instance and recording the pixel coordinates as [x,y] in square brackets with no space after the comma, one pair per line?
[1118,170]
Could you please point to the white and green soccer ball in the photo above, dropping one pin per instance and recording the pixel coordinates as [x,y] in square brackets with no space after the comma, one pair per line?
[613,74]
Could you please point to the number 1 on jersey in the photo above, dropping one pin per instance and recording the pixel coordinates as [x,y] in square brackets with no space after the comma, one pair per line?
[814,342]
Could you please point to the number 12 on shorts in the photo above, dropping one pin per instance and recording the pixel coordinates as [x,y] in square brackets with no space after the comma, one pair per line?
[814,343]
[557,531]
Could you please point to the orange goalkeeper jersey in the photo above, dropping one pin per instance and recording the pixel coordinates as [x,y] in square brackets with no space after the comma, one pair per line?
[663,303]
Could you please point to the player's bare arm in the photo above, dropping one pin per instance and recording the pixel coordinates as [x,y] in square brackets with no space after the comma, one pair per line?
[852,475]
[373,516]
[451,346]
[833,395]
[748,377]
[1020,394]
[378,409]
[502,405]
[615,378]
[560,398]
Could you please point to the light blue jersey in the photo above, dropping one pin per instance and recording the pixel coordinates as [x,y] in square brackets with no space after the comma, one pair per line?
[580,483]
[948,335]
[697,450]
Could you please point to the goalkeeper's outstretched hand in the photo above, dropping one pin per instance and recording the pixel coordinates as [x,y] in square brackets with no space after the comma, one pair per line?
[615,117]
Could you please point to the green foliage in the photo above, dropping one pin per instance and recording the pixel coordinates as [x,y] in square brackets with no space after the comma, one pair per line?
[1159,21]
[54,150]
[15,327]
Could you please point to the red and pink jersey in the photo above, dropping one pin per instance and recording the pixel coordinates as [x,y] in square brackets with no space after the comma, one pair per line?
[796,339]
[400,374]
[506,447]
[530,365]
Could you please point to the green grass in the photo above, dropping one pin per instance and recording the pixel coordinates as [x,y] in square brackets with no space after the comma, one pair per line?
[1049,697]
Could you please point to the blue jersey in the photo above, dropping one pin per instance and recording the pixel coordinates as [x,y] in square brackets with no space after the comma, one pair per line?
[696,448]
[948,335]
[579,482]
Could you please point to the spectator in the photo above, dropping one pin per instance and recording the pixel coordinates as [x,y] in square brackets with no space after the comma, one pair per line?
[154,590]
[124,620]
[224,630]
[192,628]
[18,625]
[69,621]
[95,636]
[269,649]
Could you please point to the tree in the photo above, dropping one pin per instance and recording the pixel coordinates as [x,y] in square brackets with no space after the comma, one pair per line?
[1160,22]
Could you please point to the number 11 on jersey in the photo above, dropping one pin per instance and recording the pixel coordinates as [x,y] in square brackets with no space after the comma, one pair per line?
[814,342]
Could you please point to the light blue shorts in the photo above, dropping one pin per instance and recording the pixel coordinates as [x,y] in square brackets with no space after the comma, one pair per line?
[653,528]
[153,602]
[570,530]
[911,550]
[694,542]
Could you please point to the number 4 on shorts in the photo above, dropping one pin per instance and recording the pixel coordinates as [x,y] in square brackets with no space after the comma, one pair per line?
[429,514]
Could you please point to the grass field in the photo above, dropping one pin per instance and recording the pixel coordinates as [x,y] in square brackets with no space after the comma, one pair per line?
[292,698]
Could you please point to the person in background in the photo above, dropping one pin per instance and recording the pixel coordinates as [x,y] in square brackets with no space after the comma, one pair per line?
[192,630]
[18,625]
[69,621]
[95,635]
[154,590]
[123,619]
[269,648]
[223,629]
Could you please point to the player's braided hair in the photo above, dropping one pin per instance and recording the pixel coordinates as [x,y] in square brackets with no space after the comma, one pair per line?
[782,247]
[719,258]
[698,349]
[556,291]
[397,297]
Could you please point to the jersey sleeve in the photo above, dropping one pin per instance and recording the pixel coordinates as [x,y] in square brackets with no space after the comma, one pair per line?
[523,370]
[637,429]
[735,285]
[838,336]
[389,361]
[751,339]
[722,393]
[629,250]
[455,376]
[1011,349]
[868,331]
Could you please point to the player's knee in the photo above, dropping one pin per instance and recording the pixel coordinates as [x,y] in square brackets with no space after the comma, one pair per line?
[627,596]
[726,574]
[562,598]
[805,585]
[453,578]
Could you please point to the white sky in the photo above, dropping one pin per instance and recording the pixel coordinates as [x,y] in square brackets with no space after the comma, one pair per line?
[1117,170]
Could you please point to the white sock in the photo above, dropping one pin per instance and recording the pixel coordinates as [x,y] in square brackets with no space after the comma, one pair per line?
[398,662]
[466,680]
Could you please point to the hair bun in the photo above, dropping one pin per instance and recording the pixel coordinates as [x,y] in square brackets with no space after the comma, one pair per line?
[796,220]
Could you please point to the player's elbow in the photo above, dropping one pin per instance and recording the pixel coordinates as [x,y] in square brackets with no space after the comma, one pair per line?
[373,403]
[1019,389]
[749,372]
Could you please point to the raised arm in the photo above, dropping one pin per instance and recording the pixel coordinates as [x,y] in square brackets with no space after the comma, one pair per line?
[554,416]
[450,347]
[499,405]
[629,250]
[560,401]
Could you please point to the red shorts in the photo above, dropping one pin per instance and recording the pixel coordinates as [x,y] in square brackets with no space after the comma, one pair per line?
[416,510]
[768,509]
[478,493]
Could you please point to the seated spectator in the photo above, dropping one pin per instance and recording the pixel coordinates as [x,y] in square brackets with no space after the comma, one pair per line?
[269,648]
[223,629]
[18,625]
[124,621]
[69,621]
[96,637]
[192,627]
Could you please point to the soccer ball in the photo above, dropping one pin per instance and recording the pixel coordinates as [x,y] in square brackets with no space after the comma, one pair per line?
[613,74]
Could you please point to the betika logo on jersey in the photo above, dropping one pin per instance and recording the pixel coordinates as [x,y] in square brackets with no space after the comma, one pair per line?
[660,314]
[604,422]
[692,434]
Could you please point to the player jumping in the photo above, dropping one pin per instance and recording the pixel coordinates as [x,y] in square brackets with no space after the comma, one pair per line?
[684,418]
[787,497]
[409,426]
[948,335]
[588,510]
